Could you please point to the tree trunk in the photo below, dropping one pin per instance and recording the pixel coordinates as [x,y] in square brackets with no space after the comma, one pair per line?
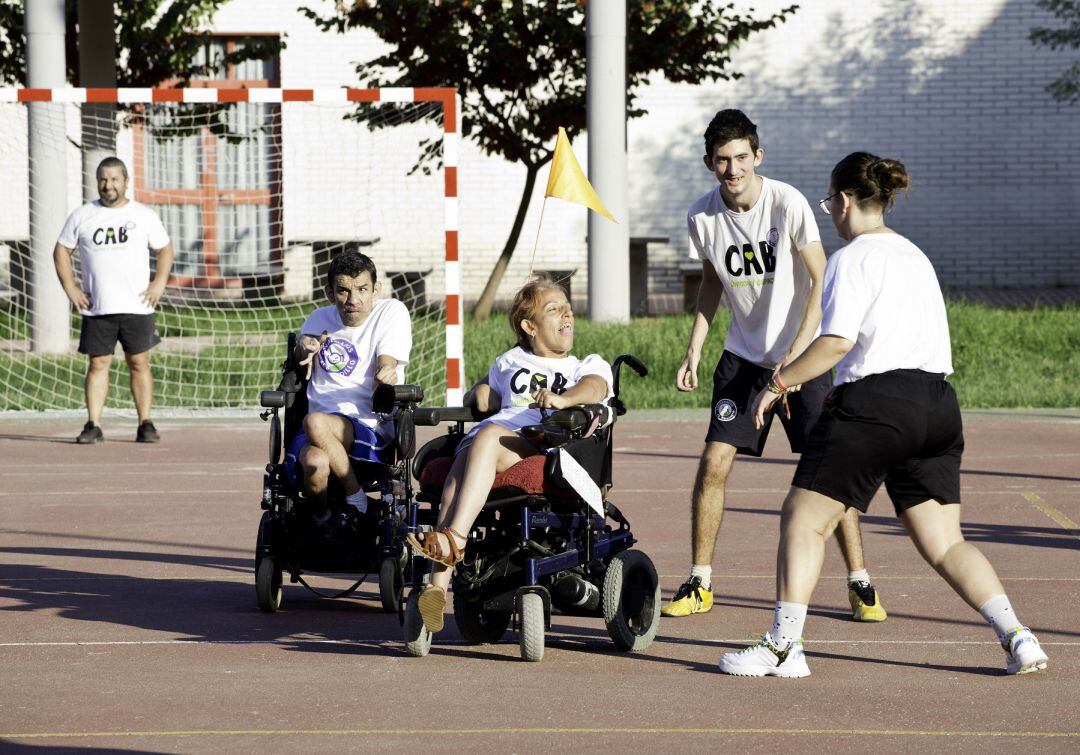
[482,310]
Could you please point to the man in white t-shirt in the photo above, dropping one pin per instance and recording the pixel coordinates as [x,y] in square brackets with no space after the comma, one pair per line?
[348,348]
[759,245]
[113,236]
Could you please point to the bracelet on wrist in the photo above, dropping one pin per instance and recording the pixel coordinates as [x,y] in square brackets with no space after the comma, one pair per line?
[779,383]
[775,388]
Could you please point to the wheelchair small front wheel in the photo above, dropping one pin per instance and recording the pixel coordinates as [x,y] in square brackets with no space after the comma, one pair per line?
[417,636]
[268,584]
[631,600]
[531,636]
[390,584]
[477,625]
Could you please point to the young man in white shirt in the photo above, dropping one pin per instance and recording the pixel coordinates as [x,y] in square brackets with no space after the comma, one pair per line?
[348,347]
[113,236]
[759,244]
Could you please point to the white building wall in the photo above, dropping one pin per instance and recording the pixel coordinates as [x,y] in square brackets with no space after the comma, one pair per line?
[951,87]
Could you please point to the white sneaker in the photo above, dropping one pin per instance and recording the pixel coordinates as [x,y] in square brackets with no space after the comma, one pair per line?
[767,659]
[1022,652]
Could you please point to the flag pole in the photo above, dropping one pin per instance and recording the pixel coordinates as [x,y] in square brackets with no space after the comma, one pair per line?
[536,243]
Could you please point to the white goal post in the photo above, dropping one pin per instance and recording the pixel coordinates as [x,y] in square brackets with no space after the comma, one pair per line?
[258,189]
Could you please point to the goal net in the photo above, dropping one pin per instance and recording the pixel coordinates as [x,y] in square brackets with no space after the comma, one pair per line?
[258,189]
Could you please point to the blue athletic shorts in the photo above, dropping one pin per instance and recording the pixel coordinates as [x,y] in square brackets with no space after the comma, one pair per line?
[367,446]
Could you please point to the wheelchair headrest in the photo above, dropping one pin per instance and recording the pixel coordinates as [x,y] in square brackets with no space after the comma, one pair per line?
[386,397]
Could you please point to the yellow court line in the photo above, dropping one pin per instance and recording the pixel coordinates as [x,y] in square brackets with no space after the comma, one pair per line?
[1067,524]
[540,730]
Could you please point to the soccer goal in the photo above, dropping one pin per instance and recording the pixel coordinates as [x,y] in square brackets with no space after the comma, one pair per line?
[259,189]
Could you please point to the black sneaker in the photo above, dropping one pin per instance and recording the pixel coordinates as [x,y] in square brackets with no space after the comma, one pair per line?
[91,433]
[147,433]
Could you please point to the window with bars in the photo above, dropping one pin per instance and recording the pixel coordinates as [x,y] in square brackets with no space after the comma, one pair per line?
[217,194]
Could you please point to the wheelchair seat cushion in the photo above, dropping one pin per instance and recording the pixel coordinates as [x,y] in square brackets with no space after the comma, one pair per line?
[525,477]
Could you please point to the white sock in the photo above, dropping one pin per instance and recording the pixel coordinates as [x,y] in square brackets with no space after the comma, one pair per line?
[862,575]
[998,611]
[358,500]
[788,624]
[705,572]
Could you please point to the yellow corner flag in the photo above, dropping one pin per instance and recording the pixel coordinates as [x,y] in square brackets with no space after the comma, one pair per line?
[567,181]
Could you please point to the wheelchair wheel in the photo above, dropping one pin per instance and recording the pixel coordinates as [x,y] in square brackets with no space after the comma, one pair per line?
[631,600]
[531,637]
[417,636]
[390,584]
[478,626]
[268,584]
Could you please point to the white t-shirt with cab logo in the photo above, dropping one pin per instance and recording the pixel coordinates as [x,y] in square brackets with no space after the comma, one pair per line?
[114,246]
[517,374]
[756,255]
[343,382]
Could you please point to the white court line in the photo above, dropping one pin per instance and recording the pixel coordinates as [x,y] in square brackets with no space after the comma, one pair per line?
[231,575]
[456,643]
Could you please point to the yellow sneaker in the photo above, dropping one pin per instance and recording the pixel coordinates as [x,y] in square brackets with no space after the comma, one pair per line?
[865,605]
[691,598]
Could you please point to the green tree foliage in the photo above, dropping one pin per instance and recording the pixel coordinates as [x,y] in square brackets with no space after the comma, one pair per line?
[157,41]
[1066,88]
[520,67]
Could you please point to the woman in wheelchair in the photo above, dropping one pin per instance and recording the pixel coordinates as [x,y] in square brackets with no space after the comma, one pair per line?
[538,373]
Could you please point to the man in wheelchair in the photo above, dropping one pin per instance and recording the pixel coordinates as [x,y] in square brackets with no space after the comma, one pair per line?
[538,374]
[347,348]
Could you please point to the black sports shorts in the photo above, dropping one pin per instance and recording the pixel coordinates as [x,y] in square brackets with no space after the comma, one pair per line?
[99,334]
[736,382]
[902,428]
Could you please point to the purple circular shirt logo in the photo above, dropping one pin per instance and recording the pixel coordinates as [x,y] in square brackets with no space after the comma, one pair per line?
[773,237]
[338,357]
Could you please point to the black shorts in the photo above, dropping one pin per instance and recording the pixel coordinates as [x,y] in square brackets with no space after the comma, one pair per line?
[736,383]
[99,334]
[902,428]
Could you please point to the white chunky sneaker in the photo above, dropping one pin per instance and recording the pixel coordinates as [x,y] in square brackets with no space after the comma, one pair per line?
[1022,652]
[766,658]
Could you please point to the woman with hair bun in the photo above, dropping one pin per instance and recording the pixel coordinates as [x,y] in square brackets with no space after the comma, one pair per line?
[891,418]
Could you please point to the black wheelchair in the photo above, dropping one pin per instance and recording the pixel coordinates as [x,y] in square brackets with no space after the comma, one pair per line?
[537,546]
[289,541]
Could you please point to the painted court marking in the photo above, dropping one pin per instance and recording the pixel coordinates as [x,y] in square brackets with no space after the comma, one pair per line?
[1067,524]
[544,730]
[453,643]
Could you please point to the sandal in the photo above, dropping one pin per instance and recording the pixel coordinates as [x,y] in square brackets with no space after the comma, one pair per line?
[427,545]
[432,605]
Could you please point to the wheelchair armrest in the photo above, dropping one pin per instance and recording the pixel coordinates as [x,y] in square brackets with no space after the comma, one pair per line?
[547,436]
[580,417]
[272,399]
[435,415]
[386,397]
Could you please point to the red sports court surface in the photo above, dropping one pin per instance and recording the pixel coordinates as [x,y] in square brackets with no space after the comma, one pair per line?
[128,617]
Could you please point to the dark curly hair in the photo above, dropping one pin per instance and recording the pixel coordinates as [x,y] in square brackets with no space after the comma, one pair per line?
[728,125]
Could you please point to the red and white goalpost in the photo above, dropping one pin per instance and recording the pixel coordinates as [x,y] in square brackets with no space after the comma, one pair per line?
[258,187]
